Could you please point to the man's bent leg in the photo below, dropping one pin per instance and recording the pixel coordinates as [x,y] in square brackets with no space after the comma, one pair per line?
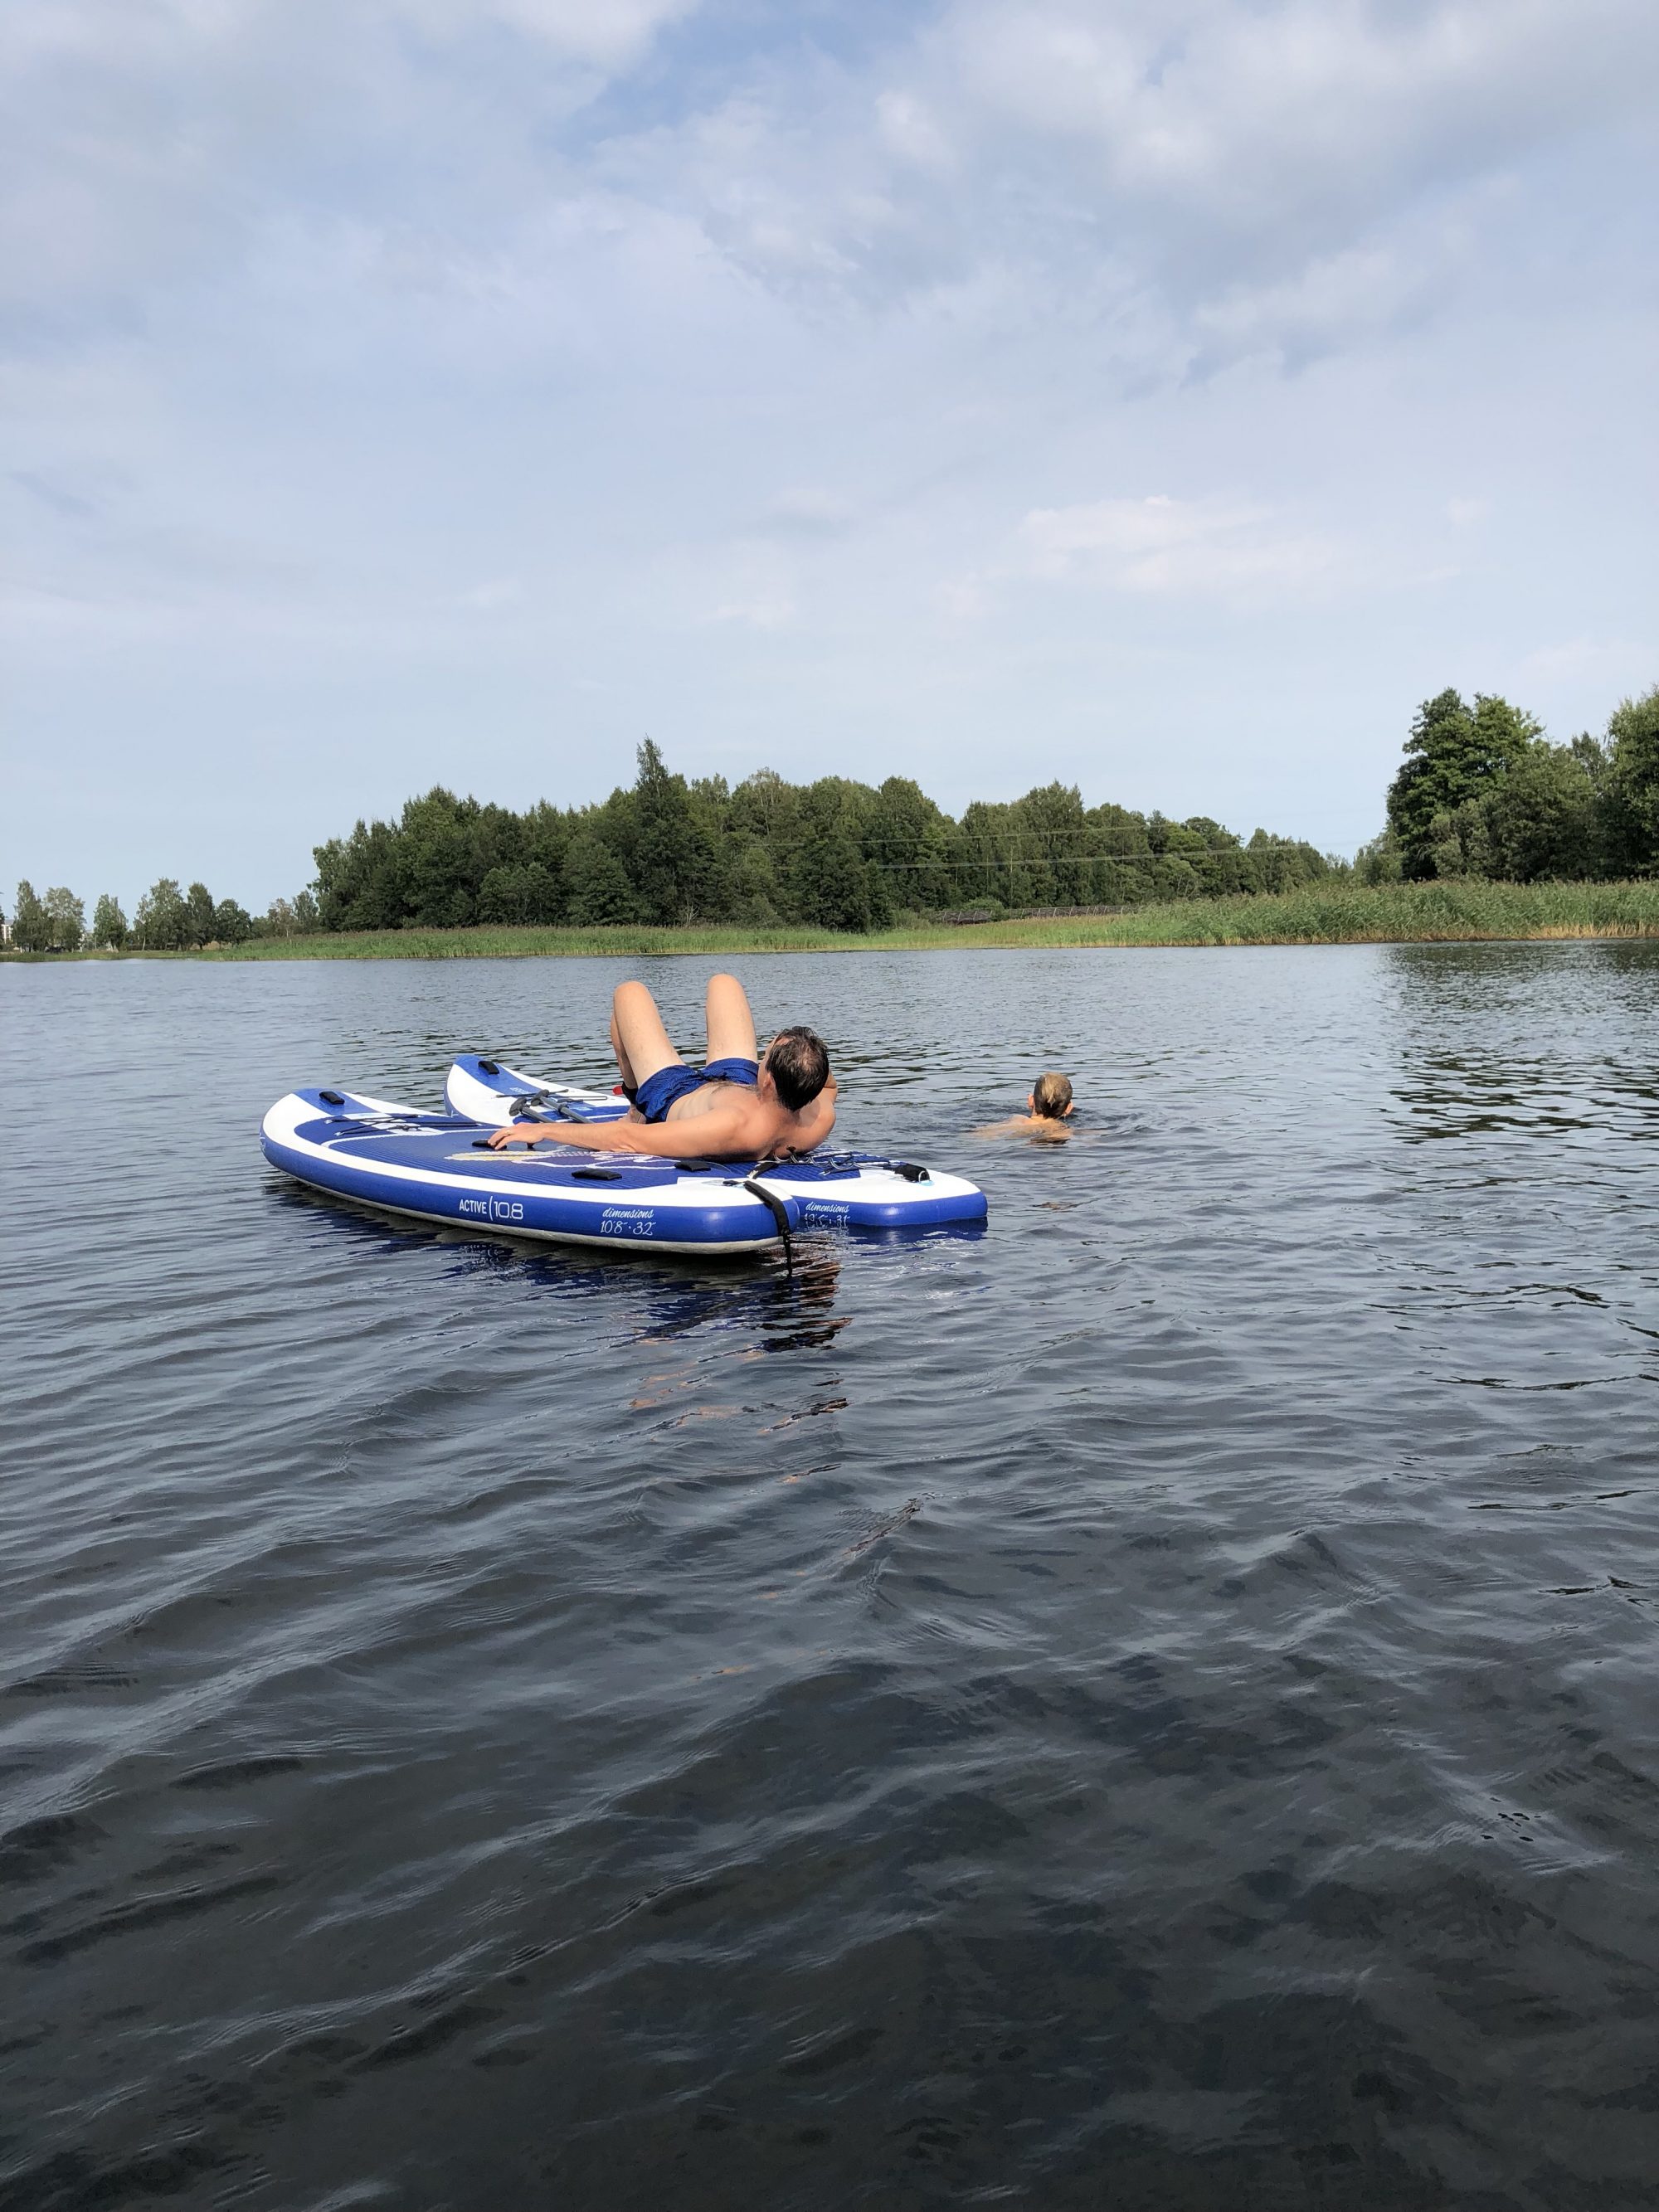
[731,1024]
[637,1035]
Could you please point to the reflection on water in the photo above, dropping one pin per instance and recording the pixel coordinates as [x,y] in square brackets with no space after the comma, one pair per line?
[789,1308]
[1153,1696]
[1489,1043]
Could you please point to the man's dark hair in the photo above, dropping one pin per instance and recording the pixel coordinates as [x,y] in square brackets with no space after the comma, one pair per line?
[798,1063]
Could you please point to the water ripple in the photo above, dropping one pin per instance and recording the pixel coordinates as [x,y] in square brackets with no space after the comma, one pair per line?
[1153,1699]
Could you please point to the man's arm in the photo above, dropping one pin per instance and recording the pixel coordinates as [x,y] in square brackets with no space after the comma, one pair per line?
[817,1119]
[707,1132]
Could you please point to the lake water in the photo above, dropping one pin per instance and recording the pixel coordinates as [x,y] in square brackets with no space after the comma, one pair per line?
[1153,1704]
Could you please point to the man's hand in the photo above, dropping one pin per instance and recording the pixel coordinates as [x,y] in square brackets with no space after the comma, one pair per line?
[588,1136]
[728,1132]
[521,1133]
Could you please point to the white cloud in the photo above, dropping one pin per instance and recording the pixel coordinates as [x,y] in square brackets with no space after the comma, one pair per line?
[1172,546]
[611,35]
[911,129]
[1199,180]
[963,599]
[1334,301]
[807,511]
[159,144]
[324,321]
[1299,113]
[1294,177]
[774,611]
[497,592]
[1615,663]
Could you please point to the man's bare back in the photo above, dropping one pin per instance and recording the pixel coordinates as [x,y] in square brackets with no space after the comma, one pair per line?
[787,1104]
[1038,1126]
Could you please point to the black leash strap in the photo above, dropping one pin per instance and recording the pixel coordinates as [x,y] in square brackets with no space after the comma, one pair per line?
[780,1213]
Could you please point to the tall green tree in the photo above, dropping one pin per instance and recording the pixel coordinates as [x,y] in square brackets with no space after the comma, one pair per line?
[1122,854]
[596,886]
[1219,861]
[765,806]
[829,882]
[439,870]
[994,859]
[1054,833]
[30,924]
[67,915]
[1633,783]
[520,894]
[754,893]
[1182,854]
[1278,864]
[161,919]
[198,904]
[232,924]
[1541,819]
[671,862]
[360,881]
[544,835]
[906,840]
[109,924]
[711,817]
[1459,840]
[1378,862]
[1455,754]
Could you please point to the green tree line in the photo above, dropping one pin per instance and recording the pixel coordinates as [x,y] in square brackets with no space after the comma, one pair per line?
[1483,792]
[167,919]
[832,854]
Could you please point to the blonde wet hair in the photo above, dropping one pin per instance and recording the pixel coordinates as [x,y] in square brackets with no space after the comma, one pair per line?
[1051,1094]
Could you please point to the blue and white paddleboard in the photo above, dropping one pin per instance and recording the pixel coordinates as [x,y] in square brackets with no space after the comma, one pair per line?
[438,1168]
[488,1090]
[832,1189]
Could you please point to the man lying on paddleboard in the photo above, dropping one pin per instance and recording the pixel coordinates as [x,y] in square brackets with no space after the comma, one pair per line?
[740,1106]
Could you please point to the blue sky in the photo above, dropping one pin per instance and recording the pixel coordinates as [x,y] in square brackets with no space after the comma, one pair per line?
[1164,397]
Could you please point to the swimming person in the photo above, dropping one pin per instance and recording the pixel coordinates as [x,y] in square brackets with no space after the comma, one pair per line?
[740,1104]
[1049,1102]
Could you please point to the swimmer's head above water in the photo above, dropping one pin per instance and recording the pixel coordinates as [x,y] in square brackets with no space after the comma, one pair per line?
[1051,1096]
[1049,1105]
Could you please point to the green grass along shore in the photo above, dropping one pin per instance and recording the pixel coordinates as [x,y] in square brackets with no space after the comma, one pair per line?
[1433,913]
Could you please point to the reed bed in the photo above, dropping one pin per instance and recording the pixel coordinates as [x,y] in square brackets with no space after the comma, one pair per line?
[1433,913]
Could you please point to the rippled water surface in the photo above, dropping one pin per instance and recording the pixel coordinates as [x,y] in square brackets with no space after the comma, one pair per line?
[1153,1705]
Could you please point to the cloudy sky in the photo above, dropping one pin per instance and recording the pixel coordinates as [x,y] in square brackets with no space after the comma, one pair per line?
[1161,395]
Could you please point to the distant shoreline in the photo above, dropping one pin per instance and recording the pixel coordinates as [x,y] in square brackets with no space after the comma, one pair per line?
[1458,912]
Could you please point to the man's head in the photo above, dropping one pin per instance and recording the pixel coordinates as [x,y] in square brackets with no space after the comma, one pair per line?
[1051,1096]
[799,1065]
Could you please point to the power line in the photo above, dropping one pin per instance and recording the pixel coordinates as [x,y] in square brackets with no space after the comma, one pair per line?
[1086,859]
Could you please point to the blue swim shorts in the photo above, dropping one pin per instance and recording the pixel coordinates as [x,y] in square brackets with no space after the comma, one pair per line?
[658,1093]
